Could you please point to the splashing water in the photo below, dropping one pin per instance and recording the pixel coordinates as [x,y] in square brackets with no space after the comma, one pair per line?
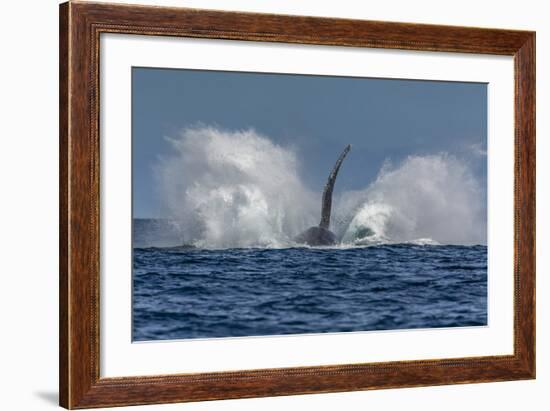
[238,189]
[425,199]
[234,189]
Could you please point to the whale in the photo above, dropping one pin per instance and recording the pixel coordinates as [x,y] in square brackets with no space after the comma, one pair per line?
[321,235]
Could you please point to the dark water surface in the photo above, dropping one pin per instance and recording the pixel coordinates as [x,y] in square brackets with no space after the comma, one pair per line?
[194,293]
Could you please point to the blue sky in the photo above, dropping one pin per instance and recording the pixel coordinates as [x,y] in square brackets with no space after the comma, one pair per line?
[315,115]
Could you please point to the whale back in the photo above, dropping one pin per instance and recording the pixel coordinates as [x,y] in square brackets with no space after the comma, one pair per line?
[326,204]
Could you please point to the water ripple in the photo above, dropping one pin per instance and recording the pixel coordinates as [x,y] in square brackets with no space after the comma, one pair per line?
[193,293]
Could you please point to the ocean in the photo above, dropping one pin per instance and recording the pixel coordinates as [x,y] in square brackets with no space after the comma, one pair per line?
[183,292]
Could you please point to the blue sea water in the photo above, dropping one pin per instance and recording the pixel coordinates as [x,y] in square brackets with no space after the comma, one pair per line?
[184,292]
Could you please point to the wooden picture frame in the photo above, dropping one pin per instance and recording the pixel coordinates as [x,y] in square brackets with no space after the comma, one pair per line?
[81,24]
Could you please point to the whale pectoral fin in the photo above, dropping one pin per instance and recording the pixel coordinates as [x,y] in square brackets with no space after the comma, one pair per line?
[326,204]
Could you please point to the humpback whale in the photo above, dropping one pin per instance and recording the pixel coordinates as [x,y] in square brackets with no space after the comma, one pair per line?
[321,235]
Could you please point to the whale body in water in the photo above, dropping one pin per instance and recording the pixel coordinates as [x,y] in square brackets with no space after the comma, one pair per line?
[321,234]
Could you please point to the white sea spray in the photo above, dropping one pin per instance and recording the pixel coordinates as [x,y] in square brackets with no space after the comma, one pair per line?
[239,189]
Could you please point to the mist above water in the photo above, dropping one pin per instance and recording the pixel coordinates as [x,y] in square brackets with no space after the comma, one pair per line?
[230,189]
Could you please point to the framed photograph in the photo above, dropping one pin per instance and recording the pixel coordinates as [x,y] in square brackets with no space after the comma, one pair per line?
[259,205]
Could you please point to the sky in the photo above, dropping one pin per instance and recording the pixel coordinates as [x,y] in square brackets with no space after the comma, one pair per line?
[317,116]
